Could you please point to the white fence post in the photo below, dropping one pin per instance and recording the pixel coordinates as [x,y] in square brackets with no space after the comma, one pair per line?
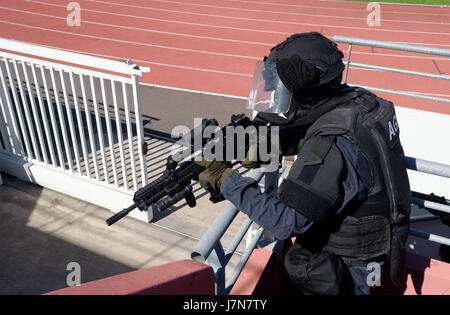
[62,119]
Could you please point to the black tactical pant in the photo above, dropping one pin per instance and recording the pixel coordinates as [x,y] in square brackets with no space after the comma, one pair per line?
[321,273]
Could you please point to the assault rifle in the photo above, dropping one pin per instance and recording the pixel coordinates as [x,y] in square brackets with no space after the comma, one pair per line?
[175,183]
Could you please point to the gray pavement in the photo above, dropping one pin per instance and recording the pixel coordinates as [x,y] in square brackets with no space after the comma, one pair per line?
[42,231]
[163,109]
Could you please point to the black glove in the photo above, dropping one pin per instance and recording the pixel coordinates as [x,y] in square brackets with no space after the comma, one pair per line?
[214,175]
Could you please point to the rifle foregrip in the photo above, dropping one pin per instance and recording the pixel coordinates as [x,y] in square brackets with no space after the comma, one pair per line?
[167,202]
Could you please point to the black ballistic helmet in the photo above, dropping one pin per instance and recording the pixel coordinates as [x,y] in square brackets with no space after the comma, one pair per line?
[307,60]
[310,66]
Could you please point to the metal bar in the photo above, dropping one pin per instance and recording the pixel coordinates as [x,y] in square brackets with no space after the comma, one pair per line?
[53,119]
[99,129]
[66,68]
[74,58]
[271,182]
[87,113]
[27,112]
[139,127]
[347,63]
[80,124]
[216,230]
[9,111]
[18,110]
[422,218]
[4,134]
[248,251]
[119,134]
[35,113]
[62,121]
[431,205]
[421,74]
[431,237]
[392,45]
[217,261]
[130,136]
[71,124]
[237,239]
[429,167]
[109,130]
[44,116]
[424,97]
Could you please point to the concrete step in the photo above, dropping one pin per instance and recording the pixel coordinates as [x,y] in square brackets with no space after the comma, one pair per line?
[42,231]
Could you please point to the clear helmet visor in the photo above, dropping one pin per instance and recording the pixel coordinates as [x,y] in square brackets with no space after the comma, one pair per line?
[268,94]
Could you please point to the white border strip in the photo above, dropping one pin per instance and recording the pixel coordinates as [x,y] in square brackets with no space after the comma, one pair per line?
[66,68]
[68,57]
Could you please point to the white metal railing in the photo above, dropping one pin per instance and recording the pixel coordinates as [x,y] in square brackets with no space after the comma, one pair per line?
[78,114]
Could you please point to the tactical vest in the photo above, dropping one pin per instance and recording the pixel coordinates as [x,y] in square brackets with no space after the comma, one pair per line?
[378,226]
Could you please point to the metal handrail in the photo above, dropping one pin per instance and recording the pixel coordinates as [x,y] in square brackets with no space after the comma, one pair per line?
[403,71]
[428,167]
[431,237]
[74,58]
[394,46]
[431,205]
[437,169]
[218,228]
[209,249]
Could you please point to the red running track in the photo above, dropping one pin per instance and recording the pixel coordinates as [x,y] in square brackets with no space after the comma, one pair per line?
[212,45]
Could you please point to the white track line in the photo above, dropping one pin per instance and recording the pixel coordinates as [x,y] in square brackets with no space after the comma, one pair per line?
[199,51]
[125,58]
[269,45]
[328,7]
[170,21]
[147,62]
[142,29]
[272,21]
[193,50]
[296,13]
[132,42]
[213,26]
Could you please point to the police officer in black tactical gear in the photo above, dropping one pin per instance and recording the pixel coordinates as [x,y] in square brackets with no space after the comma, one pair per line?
[346,198]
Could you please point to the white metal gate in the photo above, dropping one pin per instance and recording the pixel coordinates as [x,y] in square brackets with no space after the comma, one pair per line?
[71,122]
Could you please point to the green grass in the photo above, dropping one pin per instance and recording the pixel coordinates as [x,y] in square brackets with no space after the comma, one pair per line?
[435,2]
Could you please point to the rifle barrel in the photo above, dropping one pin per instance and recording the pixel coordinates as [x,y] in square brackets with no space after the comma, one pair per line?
[120,214]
